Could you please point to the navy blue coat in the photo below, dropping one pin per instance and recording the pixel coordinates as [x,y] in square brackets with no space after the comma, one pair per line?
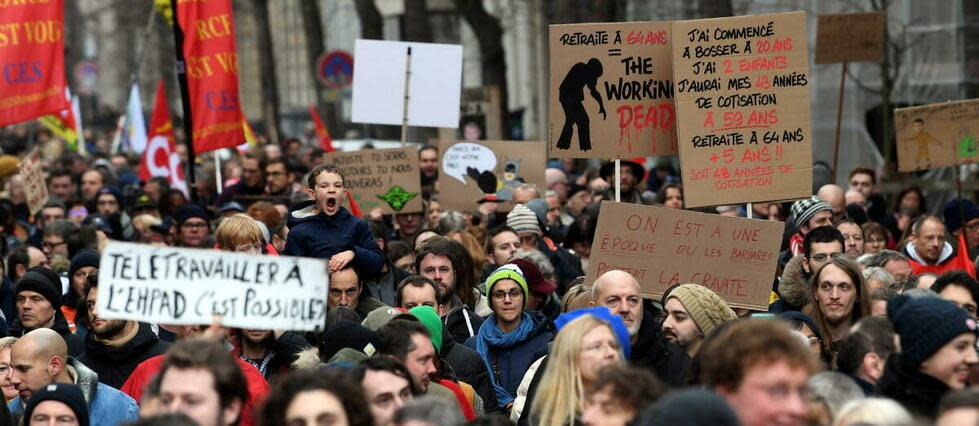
[510,364]
[314,234]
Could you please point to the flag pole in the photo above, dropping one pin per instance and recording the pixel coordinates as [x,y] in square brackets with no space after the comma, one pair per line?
[178,38]
[217,171]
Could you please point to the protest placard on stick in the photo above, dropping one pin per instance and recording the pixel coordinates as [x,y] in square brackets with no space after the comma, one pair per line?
[381,178]
[742,99]
[180,286]
[660,247]
[611,90]
[850,37]
[35,188]
[937,135]
[487,171]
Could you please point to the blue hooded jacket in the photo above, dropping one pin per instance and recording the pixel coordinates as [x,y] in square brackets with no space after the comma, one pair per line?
[314,234]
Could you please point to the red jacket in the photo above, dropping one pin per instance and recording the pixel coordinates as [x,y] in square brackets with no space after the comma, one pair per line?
[258,388]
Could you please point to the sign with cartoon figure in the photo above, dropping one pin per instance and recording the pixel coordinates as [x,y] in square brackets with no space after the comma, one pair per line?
[488,171]
[611,90]
[937,135]
[387,179]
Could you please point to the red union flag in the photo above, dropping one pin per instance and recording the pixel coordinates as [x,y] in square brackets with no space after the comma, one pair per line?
[160,157]
[212,73]
[32,44]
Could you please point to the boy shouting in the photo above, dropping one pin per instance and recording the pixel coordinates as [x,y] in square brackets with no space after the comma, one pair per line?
[322,228]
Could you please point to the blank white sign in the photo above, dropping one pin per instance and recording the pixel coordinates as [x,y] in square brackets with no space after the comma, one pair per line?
[434,86]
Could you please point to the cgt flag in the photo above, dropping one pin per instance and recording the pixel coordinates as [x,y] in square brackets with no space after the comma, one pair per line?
[212,73]
[63,124]
[32,46]
[160,157]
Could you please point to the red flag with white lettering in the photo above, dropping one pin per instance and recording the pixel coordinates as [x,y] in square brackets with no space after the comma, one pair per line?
[32,54]
[160,157]
[212,73]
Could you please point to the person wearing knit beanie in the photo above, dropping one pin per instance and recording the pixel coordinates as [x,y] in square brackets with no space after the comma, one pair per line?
[523,220]
[512,272]
[938,351]
[692,312]
[85,262]
[430,319]
[58,401]
[32,310]
[808,214]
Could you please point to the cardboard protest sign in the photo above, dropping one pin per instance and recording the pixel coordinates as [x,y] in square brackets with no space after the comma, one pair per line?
[742,99]
[850,37]
[189,286]
[734,257]
[480,114]
[433,86]
[487,170]
[937,135]
[35,188]
[381,178]
[611,90]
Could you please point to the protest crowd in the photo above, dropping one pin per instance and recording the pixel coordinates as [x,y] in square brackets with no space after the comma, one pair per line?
[446,317]
[500,292]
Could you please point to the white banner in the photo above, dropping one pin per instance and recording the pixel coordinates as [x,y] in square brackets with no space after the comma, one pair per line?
[189,286]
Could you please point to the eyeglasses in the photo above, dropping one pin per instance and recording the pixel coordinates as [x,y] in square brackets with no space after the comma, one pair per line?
[108,202]
[822,257]
[502,295]
[49,245]
[194,225]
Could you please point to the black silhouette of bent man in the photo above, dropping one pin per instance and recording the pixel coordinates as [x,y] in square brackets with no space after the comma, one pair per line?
[571,95]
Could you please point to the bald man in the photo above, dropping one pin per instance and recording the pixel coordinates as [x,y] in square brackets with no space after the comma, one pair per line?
[835,196]
[620,293]
[40,358]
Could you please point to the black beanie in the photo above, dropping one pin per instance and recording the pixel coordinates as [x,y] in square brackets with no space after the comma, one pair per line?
[188,211]
[84,257]
[69,394]
[925,324]
[348,334]
[36,281]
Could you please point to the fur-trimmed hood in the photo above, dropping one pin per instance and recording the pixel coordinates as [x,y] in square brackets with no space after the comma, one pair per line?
[307,360]
[794,284]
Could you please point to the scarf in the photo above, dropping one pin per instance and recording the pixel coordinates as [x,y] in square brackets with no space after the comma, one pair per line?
[490,336]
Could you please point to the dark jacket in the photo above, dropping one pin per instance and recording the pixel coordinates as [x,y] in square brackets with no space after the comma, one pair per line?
[460,320]
[916,391]
[510,364]
[76,344]
[386,284]
[469,368]
[366,304]
[285,350]
[664,358]
[114,365]
[567,265]
[314,234]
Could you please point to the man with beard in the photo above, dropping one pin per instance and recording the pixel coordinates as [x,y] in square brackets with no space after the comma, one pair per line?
[113,348]
[428,166]
[271,351]
[619,292]
[692,312]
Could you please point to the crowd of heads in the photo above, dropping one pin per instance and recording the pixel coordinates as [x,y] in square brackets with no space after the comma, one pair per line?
[484,315]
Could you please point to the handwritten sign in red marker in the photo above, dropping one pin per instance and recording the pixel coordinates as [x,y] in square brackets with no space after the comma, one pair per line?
[660,247]
[611,90]
[742,100]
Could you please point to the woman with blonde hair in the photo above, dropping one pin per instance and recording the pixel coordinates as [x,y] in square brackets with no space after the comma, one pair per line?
[241,234]
[588,340]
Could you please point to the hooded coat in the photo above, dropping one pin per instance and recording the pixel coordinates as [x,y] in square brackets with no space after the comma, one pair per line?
[114,364]
[793,286]
[314,234]
[106,406]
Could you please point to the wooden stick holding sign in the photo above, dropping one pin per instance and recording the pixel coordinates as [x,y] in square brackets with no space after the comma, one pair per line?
[404,118]
[848,37]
